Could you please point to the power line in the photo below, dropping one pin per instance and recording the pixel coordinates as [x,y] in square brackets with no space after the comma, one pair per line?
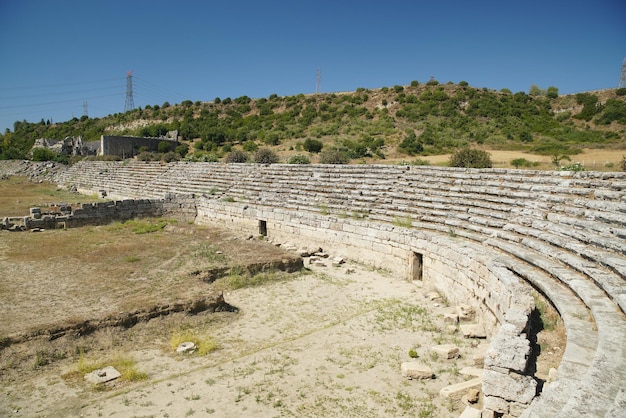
[47,86]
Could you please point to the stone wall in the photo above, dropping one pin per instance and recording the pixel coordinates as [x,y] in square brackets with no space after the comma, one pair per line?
[102,213]
[128,146]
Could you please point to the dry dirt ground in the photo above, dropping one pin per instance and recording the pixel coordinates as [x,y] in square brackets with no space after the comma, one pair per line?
[327,341]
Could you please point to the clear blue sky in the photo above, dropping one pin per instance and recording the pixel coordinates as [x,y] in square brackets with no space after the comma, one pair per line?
[58,54]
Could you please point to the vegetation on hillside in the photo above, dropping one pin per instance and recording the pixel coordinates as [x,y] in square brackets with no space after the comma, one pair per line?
[420,119]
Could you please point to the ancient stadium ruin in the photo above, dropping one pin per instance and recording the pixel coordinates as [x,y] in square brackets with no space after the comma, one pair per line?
[481,237]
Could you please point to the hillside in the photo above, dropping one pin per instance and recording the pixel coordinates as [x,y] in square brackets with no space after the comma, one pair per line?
[382,125]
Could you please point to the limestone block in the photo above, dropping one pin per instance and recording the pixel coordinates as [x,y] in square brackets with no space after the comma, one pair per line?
[494,407]
[414,370]
[466,313]
[457,390]
[471,371]
[102,375]
[433,296]
[446,351]
[472,395]
[508,352]
[510,387]
[450,318]
[473,331]
[470,412]
[186,347]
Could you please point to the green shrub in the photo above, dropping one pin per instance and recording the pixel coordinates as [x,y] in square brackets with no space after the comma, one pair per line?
[164,146]
[520,162]
[170,157]
[237,156]
[411,145]
[298,159]
[43,154]
[146,156]
[250,146]
[333,157]
[182,149]
[470,158]
[312,145]
[265,156]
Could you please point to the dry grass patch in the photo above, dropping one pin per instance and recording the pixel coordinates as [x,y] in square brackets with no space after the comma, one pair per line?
[19,194]
[127,366]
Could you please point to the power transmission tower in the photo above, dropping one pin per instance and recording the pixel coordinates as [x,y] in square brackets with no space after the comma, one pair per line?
[130,102]
[85,111]
[318,81]
[622,77]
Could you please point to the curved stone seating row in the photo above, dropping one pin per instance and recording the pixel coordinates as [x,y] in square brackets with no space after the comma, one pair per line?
[561,232]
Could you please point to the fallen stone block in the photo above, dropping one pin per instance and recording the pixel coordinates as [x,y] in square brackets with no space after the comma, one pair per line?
[103,375]
[413,370]
[186,347]
[433,295]
[450,318]
[446,351]
[473,331]
[470,412]
[458,390]
[472,395]
[466,313]
[471,371]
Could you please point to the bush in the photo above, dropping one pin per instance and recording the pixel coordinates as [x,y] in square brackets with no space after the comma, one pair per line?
[237,156]
[521,162]
[470,158]
[621,91]
[298,159]
[410,145]
[312,145]
[182,149]
[250,146]
[164,146]
[170,157]
[43,154]
[265,156]
[145,156]
[334,157]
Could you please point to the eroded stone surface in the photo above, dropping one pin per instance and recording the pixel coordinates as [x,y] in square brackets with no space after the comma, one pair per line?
[103,375]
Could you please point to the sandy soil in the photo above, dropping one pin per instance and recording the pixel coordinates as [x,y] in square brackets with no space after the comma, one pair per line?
[325,343]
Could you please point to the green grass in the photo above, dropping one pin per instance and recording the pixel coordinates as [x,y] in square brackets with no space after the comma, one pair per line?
[405,222]
[141,226]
